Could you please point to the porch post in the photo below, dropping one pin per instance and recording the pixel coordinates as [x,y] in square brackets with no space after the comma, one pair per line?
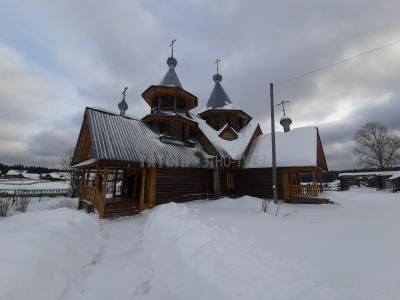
[217,190]
[96,182]
[285,183]
[102,199]
[81,184]
[151,187]
[142,190]
[87,176]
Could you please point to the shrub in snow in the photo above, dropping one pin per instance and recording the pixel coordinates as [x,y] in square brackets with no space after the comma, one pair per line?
[22,203]
[5,206]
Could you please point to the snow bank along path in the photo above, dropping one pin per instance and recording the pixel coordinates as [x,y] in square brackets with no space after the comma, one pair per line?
[193,260]
[40,252]
[223,249]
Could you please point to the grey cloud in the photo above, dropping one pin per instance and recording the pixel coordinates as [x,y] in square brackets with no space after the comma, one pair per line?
[102,46]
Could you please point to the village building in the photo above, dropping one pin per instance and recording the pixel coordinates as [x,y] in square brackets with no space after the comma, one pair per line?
[395,181]
[14,174]
[174,154]
[381,180]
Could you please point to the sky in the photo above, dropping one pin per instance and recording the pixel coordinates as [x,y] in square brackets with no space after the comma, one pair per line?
[57,57]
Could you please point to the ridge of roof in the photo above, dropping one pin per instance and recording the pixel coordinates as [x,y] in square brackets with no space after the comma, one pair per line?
[110,112]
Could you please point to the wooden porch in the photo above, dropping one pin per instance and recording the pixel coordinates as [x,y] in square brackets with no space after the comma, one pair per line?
[295,191]
[118,191]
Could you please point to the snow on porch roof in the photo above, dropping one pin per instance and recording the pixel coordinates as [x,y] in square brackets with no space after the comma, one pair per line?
[296,148]
[119,138]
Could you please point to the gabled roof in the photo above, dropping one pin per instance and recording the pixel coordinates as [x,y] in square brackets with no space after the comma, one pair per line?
[296,148]
[228,131]
[234,148]
[117,138]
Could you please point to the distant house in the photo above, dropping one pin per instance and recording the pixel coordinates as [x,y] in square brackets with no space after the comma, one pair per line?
[174,154]
[395,181]
[32,176]
[14,174]
[380,180]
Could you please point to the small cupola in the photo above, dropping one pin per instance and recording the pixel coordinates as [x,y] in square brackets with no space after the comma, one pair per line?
[220,109]
[170,104]
[169,95]
[123,106]
[285,120]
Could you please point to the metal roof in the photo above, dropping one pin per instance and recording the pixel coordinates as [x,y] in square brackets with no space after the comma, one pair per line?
[218,98]
[120,138]
[171,78]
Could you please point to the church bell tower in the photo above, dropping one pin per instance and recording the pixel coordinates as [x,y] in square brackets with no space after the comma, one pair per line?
[170,104]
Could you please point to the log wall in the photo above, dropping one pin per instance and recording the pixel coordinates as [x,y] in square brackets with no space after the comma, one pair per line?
[178,185]
[257,182]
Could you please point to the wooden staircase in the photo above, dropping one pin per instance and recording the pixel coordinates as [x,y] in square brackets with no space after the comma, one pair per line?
[120,209]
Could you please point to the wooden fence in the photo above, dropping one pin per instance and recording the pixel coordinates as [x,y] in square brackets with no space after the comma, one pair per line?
[12,193]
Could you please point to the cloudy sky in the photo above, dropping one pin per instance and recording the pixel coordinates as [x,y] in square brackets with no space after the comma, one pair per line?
[56,57]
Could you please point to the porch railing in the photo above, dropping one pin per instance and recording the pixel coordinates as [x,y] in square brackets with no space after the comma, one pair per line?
[305,191]
[92,194]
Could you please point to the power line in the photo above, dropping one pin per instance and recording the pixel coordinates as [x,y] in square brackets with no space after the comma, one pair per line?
[337,63]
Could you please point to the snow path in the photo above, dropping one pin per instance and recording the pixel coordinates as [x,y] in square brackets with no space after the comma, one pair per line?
[223,249]
[121,268]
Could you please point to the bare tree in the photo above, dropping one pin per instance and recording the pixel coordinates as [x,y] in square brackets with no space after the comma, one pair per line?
[22,203]
[73,174]
[376,147]
[5,206]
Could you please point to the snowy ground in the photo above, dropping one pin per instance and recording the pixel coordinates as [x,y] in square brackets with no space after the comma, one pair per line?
[224,249]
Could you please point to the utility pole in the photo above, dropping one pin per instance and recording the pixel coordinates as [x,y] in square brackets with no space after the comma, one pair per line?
[271,91]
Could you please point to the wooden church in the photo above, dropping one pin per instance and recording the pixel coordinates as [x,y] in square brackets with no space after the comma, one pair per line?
[175,155]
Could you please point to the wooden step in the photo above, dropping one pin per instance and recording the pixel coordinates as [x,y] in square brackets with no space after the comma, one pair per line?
[120,210]
[309,200]
[86,205]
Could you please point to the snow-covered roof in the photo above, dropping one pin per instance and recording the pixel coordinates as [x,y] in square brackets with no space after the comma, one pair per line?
[85,162]
[14,172]
[123,139]
[395,175]
[378,173]
[228,106]
[233,149]
[59,175]
[296,148]
[31,175]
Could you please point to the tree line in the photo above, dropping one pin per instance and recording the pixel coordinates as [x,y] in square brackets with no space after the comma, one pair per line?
[4,168]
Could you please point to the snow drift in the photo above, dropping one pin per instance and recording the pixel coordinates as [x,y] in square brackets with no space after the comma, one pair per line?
[41,252]
[193,260]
